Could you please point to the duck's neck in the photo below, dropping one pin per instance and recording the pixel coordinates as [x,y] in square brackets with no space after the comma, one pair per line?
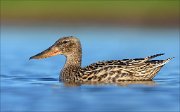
[73,60]
[71,68]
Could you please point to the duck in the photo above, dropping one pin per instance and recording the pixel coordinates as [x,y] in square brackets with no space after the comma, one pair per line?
[112,71]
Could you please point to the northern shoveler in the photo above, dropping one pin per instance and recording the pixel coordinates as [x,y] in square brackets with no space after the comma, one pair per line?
[114,71]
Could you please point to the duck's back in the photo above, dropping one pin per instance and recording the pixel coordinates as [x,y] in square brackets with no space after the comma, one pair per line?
[123,70]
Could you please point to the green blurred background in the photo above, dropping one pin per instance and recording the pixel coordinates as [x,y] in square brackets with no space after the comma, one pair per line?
[163,13]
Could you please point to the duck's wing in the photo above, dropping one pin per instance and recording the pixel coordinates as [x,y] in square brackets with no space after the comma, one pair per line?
[108,64]
[102,71]
[110,71]
[127,69]
[119,63]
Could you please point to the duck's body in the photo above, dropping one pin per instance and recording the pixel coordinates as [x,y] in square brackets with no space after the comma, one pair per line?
[140,69]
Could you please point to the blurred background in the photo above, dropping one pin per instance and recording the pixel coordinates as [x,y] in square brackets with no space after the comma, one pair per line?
[102,12]
[108,30]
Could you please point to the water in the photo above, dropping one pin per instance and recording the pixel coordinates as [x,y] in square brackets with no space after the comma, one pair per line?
[33,85]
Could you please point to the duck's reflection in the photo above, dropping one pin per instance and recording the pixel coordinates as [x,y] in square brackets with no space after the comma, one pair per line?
[72,84]
[127,83]
[121,83]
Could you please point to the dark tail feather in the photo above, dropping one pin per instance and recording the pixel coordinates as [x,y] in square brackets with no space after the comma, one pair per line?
[153,56]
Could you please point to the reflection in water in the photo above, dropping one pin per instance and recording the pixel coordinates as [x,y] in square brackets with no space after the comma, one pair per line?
[71,84]
[126,83]
[121,83]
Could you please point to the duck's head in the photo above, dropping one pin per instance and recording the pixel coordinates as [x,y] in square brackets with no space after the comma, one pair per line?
[66,46]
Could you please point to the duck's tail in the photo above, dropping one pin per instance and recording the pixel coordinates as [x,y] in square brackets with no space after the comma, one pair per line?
[158,64]
[167,60]
[163,62]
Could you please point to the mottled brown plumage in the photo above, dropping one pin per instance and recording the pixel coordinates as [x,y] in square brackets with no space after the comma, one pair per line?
[114,71]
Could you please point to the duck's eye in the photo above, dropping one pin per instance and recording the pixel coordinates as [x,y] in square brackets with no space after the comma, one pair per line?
[65,42]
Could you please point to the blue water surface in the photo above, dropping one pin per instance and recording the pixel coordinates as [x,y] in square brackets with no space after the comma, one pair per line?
[33,86]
